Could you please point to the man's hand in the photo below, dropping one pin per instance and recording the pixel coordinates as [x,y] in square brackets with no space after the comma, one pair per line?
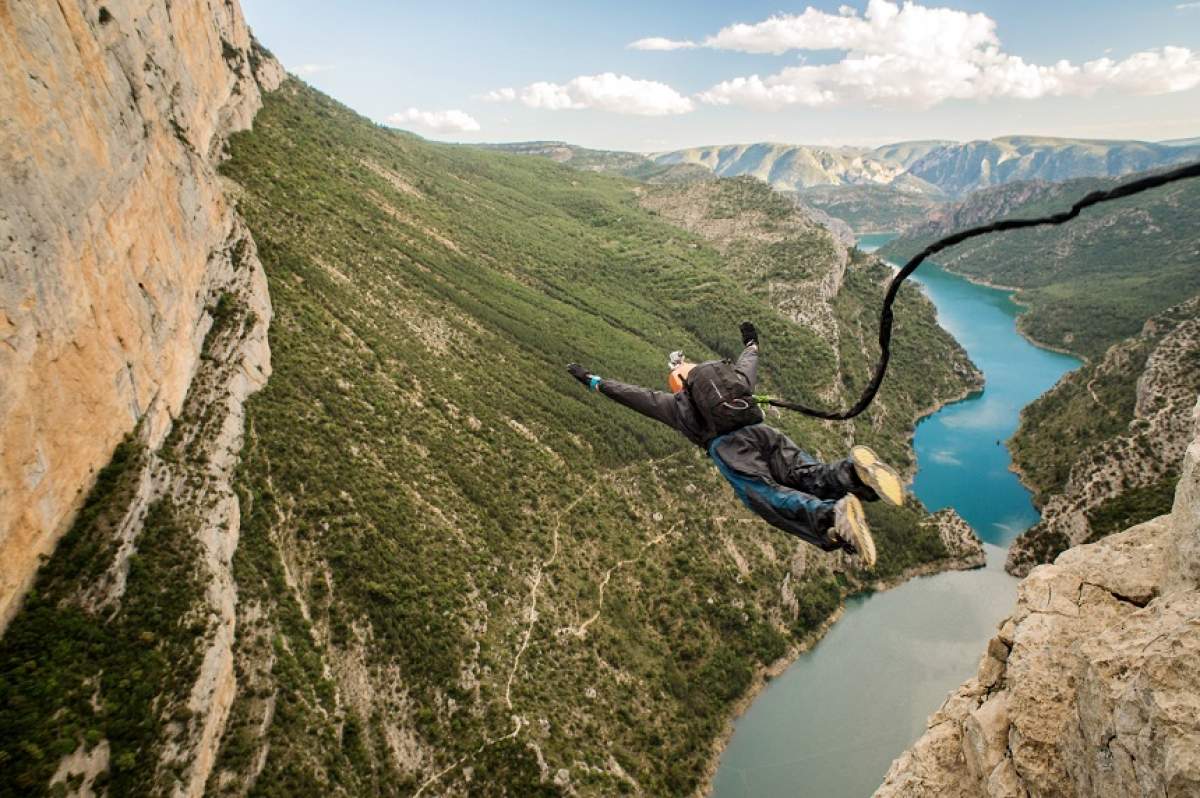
[749,334]
[580,373]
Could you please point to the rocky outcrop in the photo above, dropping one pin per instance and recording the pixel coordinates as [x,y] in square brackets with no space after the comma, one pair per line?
[1092,686]
[116,235]
[961,542]
[1147,450]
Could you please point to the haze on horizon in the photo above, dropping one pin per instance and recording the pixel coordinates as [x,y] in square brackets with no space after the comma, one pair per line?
[646,77]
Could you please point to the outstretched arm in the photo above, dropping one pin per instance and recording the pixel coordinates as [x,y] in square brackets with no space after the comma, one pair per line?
[747,363]
[658,405]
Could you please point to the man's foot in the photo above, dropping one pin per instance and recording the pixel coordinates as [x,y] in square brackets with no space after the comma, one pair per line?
[877,475]
[850,524]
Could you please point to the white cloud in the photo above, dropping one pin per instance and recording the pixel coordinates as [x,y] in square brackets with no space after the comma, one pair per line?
[606,92]
[659,43]
[886,28]
[1186,6]
[452,121]
[312,69]
[918,56]
[501,96]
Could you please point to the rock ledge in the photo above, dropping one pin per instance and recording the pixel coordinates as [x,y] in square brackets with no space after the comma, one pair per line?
[1092,685]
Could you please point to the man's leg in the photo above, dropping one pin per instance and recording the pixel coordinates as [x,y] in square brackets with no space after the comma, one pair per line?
[828,525]
[804,515]
[829,481]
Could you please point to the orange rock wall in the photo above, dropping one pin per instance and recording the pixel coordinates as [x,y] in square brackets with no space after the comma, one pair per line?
[111,215]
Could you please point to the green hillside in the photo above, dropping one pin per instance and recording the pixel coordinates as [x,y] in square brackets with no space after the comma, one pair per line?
[459,572]
[872,208]
[1089,283]
[1101,449]
[613,162]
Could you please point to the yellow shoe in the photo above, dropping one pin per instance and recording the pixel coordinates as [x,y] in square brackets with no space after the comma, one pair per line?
[878,475]
[850,524]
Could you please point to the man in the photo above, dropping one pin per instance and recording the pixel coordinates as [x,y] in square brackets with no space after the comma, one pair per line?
[817,502]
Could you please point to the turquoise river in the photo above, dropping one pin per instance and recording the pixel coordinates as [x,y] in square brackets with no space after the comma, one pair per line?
[833,722]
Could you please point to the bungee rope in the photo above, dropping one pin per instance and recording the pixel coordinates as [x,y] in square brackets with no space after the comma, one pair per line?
[885,315]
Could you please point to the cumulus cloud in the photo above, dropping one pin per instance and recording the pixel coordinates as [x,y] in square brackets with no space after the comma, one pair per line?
[659,43]
[886,28]
[312,69]
[606,92]
[918,56]
[452,121]
[501,95]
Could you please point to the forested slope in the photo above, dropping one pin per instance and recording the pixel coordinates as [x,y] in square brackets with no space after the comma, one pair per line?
[457,572]
[1089,283]
[1101,449]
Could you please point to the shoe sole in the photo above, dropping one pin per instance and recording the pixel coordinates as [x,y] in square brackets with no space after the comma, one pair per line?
[880,476]
[853,526]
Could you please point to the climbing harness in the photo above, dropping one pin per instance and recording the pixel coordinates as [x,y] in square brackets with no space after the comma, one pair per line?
[885,315]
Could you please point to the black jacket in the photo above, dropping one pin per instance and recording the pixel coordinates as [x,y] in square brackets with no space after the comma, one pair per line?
[760,462]
[676,409]
[757,450]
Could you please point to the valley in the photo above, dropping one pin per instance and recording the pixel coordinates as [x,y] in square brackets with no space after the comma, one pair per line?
[454,567]
[811,726]
[297,496]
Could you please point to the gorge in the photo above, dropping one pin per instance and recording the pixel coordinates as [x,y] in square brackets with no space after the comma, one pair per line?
[835,720]
[296,497]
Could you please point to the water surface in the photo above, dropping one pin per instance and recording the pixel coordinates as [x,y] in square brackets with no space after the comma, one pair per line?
[833,722]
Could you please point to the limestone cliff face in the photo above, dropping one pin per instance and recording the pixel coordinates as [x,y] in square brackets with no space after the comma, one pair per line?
[115,236]
[1092,686]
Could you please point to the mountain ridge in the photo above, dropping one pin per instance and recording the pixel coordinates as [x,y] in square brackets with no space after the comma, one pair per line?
[936,167]
[1087,284]
[1125,415]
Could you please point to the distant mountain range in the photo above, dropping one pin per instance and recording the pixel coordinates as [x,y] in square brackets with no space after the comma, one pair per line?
[935,167]
[792,167]
[884,188]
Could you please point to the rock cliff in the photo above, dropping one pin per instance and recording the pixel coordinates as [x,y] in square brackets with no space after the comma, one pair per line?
[116,237]
[1128,418]
[1092,686]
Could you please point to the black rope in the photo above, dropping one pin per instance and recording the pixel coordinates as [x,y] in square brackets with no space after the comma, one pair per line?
[885,315]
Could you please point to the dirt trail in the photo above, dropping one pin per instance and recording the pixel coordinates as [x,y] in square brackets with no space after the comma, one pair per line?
[531,612]
[581,630]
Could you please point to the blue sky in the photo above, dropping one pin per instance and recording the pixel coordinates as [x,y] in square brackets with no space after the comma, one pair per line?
[840,73]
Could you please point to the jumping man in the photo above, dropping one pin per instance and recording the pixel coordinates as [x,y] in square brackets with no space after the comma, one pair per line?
[712,405]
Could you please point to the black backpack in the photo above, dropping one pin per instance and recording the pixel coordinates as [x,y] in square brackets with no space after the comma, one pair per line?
[721,398]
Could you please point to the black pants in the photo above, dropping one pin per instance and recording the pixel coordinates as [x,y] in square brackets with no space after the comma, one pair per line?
[785,485]
[827,481]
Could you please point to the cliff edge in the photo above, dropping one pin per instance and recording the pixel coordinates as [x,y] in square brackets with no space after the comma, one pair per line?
[1127,418]
[116,237]
[1092,686]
